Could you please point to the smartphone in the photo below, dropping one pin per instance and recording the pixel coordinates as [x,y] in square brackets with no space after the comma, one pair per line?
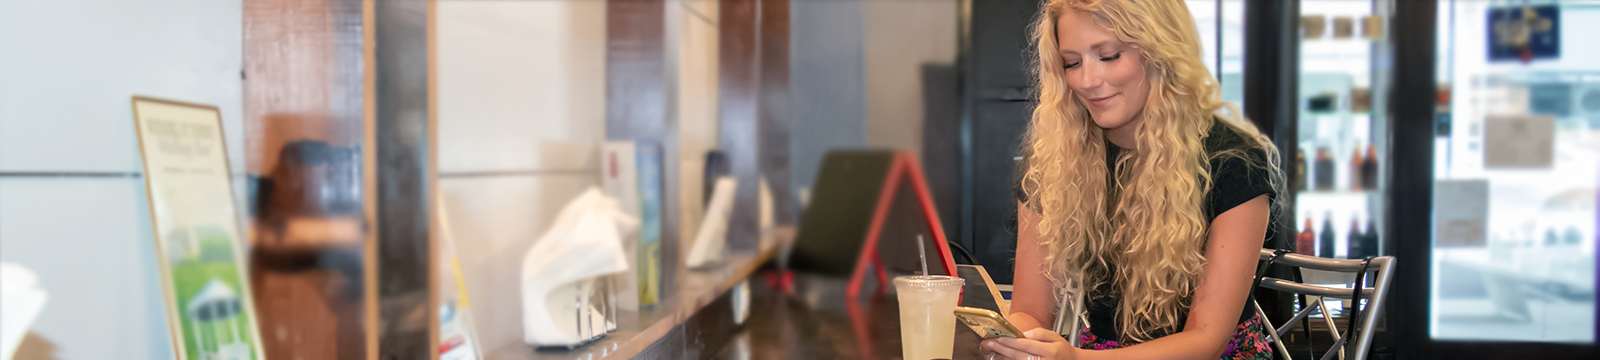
[980,291]
[987,323]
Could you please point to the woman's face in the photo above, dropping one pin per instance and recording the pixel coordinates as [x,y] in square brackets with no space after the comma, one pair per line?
[1105,74]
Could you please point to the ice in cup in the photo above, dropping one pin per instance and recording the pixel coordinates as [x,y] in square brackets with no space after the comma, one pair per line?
[927,315]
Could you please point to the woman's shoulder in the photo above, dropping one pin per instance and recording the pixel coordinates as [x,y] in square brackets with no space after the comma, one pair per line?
[1224,139]
[1240,168]
[1230,150]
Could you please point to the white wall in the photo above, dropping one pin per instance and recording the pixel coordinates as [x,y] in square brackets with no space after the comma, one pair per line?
[515,75]
[69,70]
[902,36]
[521,94]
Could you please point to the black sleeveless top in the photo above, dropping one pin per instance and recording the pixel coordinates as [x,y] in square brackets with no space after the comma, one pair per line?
[1234,182]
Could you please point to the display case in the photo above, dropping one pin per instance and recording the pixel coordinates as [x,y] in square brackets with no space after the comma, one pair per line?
[1337,134]
[1339,154]
[1516,153]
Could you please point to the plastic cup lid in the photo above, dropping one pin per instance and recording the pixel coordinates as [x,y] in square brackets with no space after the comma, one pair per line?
[928,282]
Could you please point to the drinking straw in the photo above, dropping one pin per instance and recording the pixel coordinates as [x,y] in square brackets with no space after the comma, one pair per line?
[922,254]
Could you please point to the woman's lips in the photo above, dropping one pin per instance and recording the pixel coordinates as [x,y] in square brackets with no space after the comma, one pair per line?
[1101,102]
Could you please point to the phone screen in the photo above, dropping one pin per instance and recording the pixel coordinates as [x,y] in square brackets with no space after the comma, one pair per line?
[976,293]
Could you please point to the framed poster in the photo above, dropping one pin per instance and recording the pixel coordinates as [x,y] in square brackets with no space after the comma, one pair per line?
[196,228]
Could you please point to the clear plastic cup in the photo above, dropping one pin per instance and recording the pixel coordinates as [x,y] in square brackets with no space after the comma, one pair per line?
[927,315]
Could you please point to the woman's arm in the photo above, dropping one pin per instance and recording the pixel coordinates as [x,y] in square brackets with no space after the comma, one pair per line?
[1231,255]
[1032,300]
[1232,251]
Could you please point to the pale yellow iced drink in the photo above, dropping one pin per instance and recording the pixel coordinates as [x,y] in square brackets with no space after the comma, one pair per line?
[927,315]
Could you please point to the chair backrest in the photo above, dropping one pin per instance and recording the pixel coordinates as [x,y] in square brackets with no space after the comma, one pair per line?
[1070,315]
[1382,269]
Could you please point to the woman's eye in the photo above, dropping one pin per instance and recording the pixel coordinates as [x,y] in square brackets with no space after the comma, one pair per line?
[1112,57]
[1071,65]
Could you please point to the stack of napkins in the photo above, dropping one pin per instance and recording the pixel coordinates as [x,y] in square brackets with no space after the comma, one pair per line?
[21,299]
[561,272]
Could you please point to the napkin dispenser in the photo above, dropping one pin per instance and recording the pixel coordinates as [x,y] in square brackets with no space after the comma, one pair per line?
[566,296]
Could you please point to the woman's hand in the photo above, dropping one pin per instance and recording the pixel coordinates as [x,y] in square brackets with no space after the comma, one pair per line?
[1038,344]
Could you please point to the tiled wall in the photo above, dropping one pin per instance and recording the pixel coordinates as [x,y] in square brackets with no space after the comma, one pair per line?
[72,202]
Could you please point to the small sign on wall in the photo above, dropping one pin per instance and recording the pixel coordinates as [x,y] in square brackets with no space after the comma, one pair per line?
[1519,142]
[1462,218]
[1524,33]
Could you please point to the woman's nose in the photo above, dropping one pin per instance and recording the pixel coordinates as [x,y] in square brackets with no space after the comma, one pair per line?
[1086,77]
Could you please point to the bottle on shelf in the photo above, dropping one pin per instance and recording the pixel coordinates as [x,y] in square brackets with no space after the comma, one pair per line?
[1323,170]
[1305,243]
[1300,172]
[1355,241]
[1325,249]
[1369,168]
[1357,178]
[1370,239]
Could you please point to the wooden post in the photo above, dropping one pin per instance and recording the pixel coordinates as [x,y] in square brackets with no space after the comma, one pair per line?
[347,85]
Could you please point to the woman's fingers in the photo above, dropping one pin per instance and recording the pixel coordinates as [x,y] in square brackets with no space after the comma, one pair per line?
[1005,351]
[1031,347]
[983,349]
[1038,343]
[1044,335]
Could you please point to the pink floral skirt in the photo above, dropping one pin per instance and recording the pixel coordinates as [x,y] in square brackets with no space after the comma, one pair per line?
[1250,341]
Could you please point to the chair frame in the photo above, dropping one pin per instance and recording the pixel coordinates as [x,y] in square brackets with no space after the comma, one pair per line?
[1375,297]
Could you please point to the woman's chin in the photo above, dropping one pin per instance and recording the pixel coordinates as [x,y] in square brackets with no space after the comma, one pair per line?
[1111,122]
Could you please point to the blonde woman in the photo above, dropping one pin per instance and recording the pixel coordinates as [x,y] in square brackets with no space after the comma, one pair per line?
[1141,198]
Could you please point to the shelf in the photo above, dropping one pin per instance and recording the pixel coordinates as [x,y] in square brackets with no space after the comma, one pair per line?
[639,331]
[1341,193]
[1320,202]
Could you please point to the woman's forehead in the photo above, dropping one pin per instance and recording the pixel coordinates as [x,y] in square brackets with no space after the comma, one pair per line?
[1077,31]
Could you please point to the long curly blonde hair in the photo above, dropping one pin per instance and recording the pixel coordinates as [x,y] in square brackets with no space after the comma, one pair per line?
[1155,228]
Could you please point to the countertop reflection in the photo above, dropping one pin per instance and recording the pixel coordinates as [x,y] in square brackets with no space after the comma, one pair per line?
[816,322]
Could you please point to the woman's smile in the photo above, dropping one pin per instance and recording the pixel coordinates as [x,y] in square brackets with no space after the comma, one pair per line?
[1100,103]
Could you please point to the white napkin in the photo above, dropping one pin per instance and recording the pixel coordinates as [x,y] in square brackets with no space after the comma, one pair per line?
[712,235]
[21,300]
[584,243]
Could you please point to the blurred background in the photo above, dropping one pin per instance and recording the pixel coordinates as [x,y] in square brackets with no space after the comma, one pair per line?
[1461,136]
